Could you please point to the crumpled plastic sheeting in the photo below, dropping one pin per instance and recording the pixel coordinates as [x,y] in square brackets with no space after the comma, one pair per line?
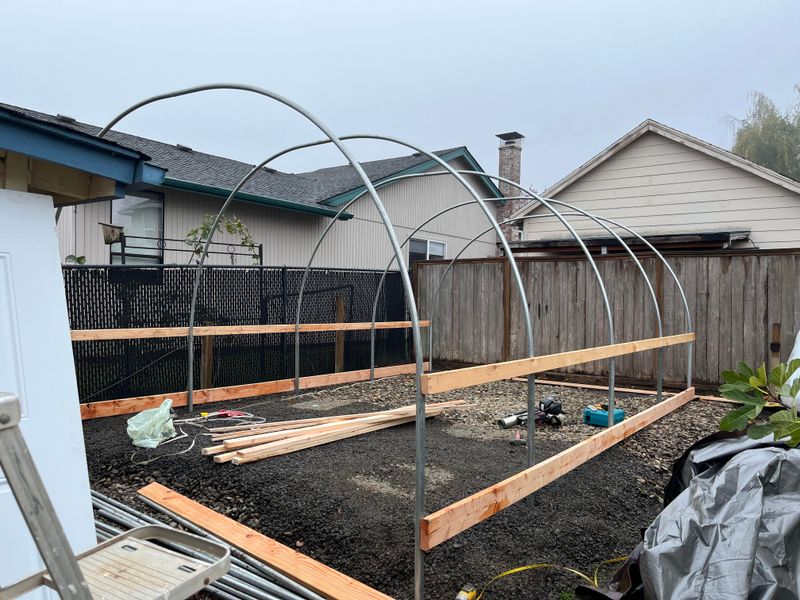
[734,532]
[152,426]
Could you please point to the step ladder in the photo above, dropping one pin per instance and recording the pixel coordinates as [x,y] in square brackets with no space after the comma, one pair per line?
[132,565]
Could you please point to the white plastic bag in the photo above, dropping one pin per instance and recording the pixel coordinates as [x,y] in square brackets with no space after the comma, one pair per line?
[152,426]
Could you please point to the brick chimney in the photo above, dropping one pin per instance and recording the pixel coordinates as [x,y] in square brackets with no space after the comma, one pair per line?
[509,167]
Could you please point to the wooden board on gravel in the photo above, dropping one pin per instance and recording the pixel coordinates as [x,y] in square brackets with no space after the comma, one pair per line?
[325,581]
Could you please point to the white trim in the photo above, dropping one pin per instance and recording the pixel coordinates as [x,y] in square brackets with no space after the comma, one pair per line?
[674,135]
[427,247]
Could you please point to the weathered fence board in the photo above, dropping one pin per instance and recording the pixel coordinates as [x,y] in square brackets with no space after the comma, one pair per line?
[738,301]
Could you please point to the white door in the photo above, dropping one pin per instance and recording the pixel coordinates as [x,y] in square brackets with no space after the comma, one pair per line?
[36,364]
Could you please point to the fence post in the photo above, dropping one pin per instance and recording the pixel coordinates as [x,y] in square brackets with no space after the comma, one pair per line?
[207,361]
[506,350]
[339,356]
[658,359]
[775,346]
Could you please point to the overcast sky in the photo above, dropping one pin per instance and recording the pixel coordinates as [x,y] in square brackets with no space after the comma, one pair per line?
[572,76]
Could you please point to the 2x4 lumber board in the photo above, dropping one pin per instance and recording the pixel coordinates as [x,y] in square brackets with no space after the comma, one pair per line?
[319,440]
[83,335]
[625,390]
[251,440]
[588,386]
[288,423]
[301,423]
[299,440]
[110,408]
[452,520]
[290,444]
[323,580]
[274,436]
[444,381]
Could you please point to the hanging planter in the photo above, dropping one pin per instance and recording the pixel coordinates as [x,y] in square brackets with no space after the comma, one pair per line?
[112,234]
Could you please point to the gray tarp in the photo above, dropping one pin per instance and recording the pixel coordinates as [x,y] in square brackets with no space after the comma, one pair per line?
[734,532]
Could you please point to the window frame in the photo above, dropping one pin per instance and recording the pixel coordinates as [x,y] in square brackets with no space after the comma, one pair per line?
[142,193]
[427,248]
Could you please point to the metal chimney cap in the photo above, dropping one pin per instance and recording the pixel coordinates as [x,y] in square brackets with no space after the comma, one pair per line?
[510,136]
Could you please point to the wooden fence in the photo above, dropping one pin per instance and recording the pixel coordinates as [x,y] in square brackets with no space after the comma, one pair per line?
[744,306]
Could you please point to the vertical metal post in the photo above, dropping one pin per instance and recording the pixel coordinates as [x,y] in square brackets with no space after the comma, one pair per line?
[338,361]
[285,318]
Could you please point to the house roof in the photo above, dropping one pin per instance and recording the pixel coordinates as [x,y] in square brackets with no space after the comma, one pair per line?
[64,146]
[652,126]
[318,191]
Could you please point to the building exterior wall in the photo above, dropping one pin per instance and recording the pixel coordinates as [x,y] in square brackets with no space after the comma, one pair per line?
[658,186]
[289,237]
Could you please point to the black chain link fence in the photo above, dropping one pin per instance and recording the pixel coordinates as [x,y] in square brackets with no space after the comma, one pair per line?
[112,297]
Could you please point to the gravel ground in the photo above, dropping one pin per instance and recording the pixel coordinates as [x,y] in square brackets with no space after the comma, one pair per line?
[350,504]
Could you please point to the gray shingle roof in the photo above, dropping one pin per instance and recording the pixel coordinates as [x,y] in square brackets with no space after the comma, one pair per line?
[194,167]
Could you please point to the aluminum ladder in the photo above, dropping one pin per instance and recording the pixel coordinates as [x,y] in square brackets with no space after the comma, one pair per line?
[132,565]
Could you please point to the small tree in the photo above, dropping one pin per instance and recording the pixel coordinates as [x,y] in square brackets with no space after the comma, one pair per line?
[754,389]
[196,238]
[770,137]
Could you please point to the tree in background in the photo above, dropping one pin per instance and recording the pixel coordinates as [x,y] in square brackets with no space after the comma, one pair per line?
[769,137]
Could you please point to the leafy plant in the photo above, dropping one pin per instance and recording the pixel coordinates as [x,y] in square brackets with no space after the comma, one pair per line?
[75,260]
[234,226]
[754,388]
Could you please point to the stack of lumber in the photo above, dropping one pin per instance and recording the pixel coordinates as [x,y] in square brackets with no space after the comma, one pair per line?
[242,444]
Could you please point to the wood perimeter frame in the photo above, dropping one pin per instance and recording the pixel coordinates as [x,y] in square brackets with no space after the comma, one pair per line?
[451,520]
[110,408]
[137,333]
[445,381]
[323,580]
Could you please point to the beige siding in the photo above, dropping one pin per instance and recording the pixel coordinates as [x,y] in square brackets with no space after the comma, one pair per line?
[79,233]
[659,186]
[288,237]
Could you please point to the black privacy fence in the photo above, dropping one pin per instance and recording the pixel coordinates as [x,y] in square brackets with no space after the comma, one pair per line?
[112,297]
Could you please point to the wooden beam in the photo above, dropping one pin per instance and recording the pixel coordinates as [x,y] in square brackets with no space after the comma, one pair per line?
[246,430]
[338,358]
[443,381]
[110,408]
[83,335]
[452,520]
[207,361]
[248,455]
[623,390]
[588,386]
[323,580]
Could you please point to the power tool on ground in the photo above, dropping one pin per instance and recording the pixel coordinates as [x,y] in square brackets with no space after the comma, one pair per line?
[468,592]
[549,413]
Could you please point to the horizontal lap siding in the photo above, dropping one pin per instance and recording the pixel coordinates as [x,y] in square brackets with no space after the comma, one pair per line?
[733,300]
[289,237]
[658,186]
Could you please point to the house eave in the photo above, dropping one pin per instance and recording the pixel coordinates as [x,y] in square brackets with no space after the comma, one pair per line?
[344,197]
[77,151]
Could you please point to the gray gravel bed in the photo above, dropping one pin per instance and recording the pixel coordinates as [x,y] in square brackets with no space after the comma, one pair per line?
[350,503]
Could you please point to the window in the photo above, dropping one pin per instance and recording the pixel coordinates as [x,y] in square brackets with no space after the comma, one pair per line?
[142,216]
[425,250]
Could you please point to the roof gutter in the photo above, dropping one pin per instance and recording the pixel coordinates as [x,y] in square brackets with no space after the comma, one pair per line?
[180,184]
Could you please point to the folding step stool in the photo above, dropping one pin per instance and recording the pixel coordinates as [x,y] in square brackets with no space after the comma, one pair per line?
[130,566]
